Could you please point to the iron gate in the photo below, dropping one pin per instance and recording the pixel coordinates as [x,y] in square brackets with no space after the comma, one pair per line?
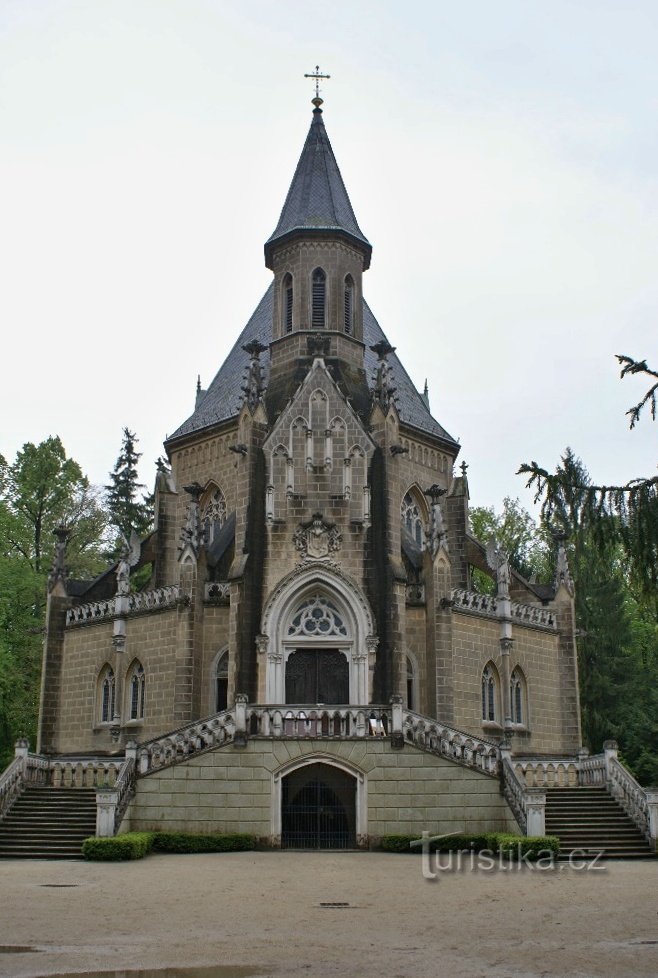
[313,817]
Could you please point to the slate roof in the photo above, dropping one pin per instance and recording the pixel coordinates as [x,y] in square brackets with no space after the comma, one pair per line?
[224,396]
[317,198]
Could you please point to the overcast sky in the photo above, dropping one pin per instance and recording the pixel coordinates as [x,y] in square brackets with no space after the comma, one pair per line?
[500,156]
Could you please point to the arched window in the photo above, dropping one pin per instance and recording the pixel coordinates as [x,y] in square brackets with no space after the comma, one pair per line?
[412,519]
[517,696]
[411,693]
[489,693]
[136,686]
[287,303]
[318,296]
[106,688]
[220,682]
[349,305]
[213,514]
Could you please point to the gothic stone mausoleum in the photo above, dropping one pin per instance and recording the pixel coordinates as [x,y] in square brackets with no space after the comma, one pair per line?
[309,661]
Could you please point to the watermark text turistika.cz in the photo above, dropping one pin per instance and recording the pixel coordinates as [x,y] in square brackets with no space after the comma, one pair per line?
[510,860]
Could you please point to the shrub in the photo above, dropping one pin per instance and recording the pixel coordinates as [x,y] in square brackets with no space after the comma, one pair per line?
[211,842]
[504,842]
[132,845]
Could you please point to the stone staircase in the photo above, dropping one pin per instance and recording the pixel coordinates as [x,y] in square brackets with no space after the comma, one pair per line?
[590,818]
[48,823]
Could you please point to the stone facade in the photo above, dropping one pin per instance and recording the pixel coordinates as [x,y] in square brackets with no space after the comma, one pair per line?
[312,545]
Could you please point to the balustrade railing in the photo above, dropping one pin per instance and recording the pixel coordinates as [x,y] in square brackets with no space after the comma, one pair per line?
[159,597]
[194,738]
[480,604]
[153,600]
[84,772]
[486,605]
[326,721]
[528,805]
[11,784]
[547,772]
[533,614]
[640,805]
[94,611]
[439,738]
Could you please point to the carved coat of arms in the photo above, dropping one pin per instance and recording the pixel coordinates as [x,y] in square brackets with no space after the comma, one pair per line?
[317,539]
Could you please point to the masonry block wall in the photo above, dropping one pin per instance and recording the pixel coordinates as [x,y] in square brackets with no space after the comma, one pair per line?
[230,790]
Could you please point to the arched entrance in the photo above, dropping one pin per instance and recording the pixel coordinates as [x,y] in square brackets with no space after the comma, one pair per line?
[317,643]
[318,808]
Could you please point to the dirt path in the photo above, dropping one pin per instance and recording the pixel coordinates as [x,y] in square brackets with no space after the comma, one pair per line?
[263,911]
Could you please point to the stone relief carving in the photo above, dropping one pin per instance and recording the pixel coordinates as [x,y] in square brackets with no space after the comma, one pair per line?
[316,539]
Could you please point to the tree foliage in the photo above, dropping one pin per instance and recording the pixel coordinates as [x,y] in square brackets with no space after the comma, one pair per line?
[40,490]
[613,541]
[128,507]
[625,514]
[525,542]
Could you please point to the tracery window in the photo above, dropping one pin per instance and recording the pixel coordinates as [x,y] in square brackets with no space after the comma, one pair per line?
[213,515]
[489,693]
[107,689]
[136,691]
[317,617]
[349,306]
[516,696]
[412,519]
[318,296]
[287,303]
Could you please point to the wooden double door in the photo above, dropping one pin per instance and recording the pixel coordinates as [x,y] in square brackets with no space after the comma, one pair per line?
[318,676]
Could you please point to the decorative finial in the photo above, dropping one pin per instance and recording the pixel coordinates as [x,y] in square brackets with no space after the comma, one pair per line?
[464,468]
[198,383]
[317,101]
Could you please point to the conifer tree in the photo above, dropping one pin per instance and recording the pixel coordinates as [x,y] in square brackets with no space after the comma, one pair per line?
[127,505]
[625,514]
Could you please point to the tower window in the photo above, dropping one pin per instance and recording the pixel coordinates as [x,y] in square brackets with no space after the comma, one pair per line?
[287,303]
[137,687]
[107,690]
[349,306]
[516,695]
[319,290]
[489,694]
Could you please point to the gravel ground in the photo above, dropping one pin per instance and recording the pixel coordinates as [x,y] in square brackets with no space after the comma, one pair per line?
[262,914]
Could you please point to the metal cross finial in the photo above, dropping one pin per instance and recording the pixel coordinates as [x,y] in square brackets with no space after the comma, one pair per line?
[317,75]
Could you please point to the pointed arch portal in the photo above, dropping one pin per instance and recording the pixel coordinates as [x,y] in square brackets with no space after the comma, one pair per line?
[318,639]
[318,808]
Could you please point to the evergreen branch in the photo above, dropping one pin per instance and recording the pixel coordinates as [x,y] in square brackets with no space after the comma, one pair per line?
[630,366]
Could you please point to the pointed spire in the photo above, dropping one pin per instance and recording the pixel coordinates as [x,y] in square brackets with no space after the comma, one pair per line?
[317,199]
[426,395]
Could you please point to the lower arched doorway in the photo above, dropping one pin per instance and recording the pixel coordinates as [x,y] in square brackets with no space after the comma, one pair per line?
[318,808]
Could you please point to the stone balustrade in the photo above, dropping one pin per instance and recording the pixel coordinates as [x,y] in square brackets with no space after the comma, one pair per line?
[84,772]
[486,605]
[11,784]
[439,738]
[534,615]
[82,614]
[156,599]
[111,803]
[321,722]
[547,772]
[474,602]
[194,738]
[528,804]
